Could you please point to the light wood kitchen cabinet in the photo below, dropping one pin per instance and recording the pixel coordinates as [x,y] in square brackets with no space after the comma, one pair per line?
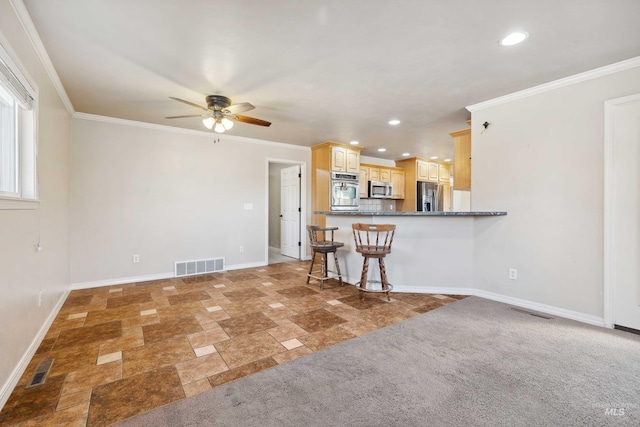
[446,197]
[433,172]
[418,169]
[345,159]
[444,173]
[395,175]
[364,181]
[422,171]
[397,180]
[374,174]
[461,159]
[325,158]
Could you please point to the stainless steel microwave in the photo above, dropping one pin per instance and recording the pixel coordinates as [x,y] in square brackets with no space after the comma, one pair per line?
[380,190]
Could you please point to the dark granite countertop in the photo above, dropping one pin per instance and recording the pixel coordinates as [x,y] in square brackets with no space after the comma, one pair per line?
[394,213]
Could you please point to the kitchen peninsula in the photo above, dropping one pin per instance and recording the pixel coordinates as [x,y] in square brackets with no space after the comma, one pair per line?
[432,252]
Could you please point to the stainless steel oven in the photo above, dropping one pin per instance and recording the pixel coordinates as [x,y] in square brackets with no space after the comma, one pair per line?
[345,191]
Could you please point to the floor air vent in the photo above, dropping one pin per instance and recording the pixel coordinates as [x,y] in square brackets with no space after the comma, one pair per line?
[40,374]
[200,266]
[530,313]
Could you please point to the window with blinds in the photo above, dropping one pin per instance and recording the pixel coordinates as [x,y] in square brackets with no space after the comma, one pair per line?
[17,136]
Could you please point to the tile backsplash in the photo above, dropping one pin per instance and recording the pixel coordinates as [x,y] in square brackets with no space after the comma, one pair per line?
[377,205]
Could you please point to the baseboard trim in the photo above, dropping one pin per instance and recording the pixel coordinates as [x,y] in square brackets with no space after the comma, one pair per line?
[149,277]
[247,265]
[121,281]
[10,384]
[543,308]
[433,290]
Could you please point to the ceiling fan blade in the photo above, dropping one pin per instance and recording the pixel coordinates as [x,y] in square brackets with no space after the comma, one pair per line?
[240,107]
[190,115]
[251,120]
[189,103]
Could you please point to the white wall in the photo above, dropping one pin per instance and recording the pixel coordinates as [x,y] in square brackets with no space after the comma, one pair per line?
[541,159]
[23,271]
[167,196]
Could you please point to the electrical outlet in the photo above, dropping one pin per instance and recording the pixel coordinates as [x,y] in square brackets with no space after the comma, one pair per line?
[513,274]
[241,249]
[136,258]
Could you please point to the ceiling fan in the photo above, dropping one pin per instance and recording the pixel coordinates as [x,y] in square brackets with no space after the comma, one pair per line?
[220,113]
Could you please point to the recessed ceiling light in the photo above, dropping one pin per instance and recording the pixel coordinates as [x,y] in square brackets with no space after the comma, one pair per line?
[433,157]
[382,150]
[406,154]
[354,143]
[447,160]
[514,38]
[394,122]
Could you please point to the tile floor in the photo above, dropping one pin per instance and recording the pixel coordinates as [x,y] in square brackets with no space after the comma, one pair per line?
[123,350]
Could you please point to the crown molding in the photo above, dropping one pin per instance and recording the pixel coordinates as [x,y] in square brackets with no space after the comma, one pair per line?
[165,128]
[567,81]
[36,41]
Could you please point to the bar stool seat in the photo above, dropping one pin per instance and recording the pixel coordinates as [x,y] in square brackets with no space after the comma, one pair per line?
[374,241]
[321,245]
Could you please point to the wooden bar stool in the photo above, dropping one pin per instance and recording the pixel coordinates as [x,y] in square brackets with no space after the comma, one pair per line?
[323,246]
[374,241]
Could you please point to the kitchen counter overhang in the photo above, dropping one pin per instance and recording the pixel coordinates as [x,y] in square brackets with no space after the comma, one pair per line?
[394,213]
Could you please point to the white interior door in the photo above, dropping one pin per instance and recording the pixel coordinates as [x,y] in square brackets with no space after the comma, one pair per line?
[290,211]
[626,215]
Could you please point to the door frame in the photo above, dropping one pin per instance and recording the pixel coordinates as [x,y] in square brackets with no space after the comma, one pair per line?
[303,206]
[609,208]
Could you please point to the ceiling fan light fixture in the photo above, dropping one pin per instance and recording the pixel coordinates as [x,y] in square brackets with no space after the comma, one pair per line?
[228,124]
[209,122]
[219,127]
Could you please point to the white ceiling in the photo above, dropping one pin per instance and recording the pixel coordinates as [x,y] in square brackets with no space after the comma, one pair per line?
[332,70]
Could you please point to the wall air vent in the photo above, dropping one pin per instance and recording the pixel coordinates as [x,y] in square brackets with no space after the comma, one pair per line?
[199,266]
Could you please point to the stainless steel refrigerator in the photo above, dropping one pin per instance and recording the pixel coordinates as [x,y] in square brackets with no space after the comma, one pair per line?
[429,197]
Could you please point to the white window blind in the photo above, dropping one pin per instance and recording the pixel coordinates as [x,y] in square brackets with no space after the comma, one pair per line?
[17,89]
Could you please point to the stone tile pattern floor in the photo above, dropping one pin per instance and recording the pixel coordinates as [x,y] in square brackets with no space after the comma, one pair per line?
[123,350]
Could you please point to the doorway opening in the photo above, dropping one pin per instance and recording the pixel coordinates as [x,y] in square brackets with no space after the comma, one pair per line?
[286,211]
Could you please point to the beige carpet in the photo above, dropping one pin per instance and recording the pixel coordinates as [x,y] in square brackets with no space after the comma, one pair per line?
[472,363]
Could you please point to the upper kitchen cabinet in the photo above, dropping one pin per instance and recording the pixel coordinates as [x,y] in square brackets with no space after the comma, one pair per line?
[326,158]
[461,159]
[444,173]
[397,180]
[370,172]
[427,171]
[422,169]
[345,159]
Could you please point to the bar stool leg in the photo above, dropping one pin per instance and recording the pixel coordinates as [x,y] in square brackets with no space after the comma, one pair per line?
[313,259]
[335,257]
[383,277]
[323,269]
[363,276]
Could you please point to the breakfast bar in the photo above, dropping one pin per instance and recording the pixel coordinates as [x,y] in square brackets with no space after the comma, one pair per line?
[433,252]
